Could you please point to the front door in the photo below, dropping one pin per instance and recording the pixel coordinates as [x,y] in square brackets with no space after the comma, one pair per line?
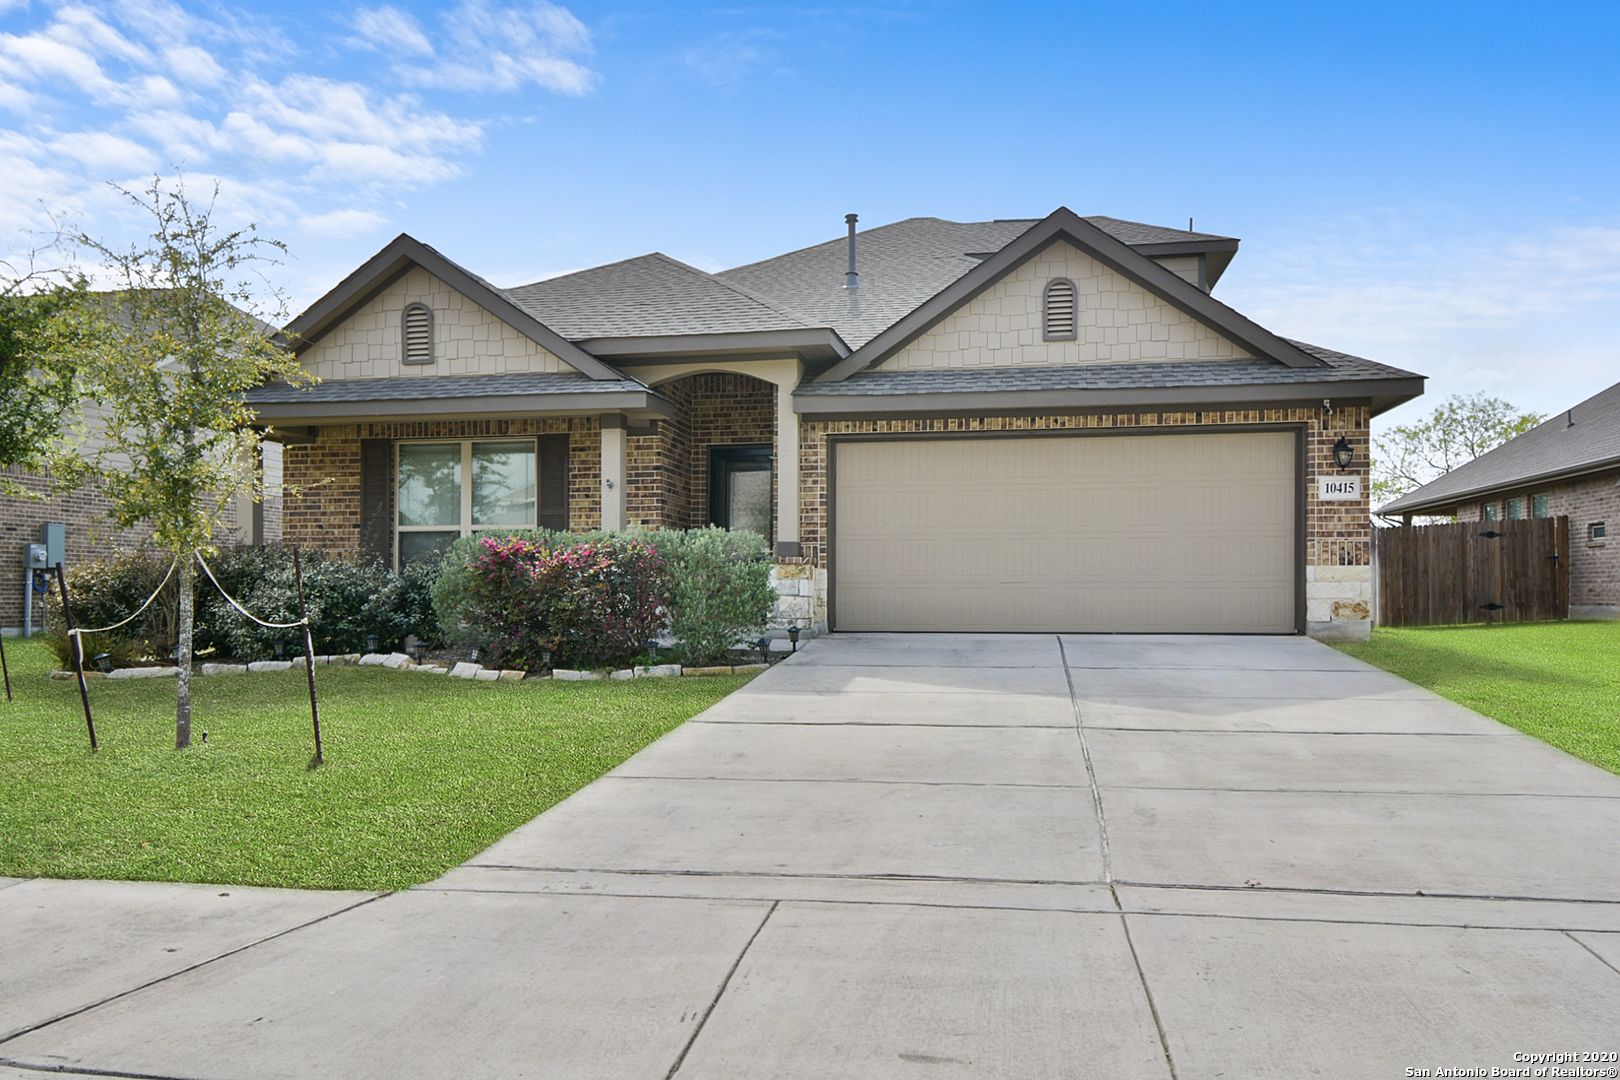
[740,488]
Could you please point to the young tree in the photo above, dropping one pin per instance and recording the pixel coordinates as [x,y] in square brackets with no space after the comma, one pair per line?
[164,360]
[1457,432]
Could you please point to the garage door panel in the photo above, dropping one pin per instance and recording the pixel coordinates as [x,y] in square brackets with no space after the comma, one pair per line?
[1153,533]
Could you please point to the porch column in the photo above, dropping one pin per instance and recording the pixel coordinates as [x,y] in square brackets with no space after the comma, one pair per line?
[787,466]
[615,454]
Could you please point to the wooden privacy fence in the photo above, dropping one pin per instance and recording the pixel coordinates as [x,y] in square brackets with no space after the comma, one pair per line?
[1472,571]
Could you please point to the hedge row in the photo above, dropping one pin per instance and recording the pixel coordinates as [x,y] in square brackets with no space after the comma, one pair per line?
[590,600]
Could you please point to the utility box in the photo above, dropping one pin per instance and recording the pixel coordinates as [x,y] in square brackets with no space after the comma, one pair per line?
[54,533]
[37,557]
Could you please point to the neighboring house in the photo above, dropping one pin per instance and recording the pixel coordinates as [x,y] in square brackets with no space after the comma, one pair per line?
[90,534]
[1030,425]
[1568,466]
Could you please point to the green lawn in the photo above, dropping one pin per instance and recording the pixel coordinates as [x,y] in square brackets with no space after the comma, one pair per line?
[1557,681]
[421,771]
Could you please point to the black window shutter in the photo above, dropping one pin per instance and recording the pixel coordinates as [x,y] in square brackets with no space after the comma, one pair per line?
[376,480]
[554,482]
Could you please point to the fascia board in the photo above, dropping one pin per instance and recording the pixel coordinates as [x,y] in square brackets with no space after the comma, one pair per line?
[810,345]
[386,267]
[640,402]
[1430,505]
[1184,247]
[1064,224]
[1171,398]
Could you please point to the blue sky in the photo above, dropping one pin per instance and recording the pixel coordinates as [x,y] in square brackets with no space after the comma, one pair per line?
[1428,185]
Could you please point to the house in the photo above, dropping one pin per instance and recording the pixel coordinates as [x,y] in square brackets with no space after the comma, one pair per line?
[1022,425]
[1566,467]
[89,534]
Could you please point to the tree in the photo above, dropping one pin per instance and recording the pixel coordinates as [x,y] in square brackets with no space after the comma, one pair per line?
[36,388]
[1461,429]
[166,358]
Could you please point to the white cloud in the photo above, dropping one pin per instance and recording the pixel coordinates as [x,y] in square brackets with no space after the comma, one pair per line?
[506,48]
[343,223]
[1524,316]
[105,153]
[388,29]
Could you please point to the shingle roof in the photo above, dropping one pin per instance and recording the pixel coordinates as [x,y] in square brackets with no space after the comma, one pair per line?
[901,265]
[1549,449]
[441,386]
[649,296]
[1342,368]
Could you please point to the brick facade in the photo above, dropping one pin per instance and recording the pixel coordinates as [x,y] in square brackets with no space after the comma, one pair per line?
[321,499]
[1594,564]
[91,534]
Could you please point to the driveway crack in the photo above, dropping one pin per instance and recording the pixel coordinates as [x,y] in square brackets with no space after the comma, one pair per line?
[1107,863]
[720,992]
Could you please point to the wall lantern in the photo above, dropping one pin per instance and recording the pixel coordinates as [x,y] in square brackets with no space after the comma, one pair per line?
[1343,453]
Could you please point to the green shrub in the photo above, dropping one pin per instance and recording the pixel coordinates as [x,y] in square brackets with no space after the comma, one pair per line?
[108,591]
[348,600]
[722,589]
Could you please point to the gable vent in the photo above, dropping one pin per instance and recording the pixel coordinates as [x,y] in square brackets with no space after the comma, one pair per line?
[1059,310]
[418,334]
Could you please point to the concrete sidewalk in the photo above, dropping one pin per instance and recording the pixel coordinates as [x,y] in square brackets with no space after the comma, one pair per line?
[943,855]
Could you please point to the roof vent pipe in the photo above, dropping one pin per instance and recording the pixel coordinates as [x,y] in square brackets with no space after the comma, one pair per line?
[851,278]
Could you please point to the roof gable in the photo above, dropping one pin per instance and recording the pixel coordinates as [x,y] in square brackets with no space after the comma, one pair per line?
[1116,321]
[395,261]
[1063,225]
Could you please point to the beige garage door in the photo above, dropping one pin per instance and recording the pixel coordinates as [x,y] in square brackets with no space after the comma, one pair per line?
[1143,533]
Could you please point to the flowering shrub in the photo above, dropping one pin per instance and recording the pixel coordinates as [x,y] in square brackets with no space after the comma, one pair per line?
[593,604]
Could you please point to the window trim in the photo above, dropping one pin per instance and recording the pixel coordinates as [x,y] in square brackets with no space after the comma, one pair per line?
[1074,310]
[466,526]
[405,335]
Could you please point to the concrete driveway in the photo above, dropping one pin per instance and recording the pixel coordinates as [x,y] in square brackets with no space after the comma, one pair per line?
[929,856]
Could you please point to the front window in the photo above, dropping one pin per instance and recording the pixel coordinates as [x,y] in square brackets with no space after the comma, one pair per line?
[452,489]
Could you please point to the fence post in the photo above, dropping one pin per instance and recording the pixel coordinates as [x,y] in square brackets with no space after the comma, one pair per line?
[76,647]
[309,656]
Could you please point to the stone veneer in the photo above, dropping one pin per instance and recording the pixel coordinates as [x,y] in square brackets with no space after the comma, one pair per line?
[321,499]
[1338,535]
[1594,565]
